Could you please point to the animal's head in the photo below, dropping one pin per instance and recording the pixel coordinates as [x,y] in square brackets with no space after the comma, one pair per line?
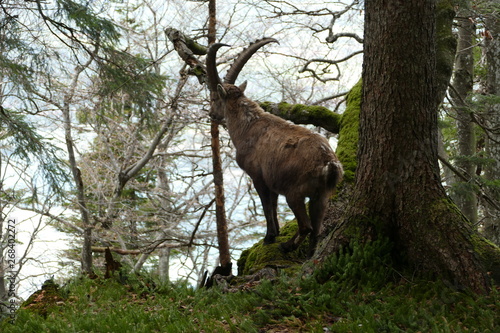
[222,92]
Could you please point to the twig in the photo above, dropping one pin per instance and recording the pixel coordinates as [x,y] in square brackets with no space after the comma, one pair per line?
[466,178]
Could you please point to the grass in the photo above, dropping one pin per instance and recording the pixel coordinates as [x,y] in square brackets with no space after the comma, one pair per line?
[354,291]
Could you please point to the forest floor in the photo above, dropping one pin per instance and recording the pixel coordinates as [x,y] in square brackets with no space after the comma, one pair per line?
[340,296]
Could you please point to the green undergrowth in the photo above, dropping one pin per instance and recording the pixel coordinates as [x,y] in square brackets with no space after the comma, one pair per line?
[355,290]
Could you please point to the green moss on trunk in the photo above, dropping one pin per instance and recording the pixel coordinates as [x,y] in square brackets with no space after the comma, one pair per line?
[348,136]
[305,114]
[489,255]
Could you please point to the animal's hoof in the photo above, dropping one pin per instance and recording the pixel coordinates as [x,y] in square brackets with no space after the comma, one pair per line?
[311,251]
[285,247]
[269,240]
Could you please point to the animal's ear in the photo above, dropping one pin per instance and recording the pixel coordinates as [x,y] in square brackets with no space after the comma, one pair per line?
[222,92]
[243,86]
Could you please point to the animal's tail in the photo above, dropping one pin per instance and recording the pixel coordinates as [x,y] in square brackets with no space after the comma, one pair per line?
[334,174]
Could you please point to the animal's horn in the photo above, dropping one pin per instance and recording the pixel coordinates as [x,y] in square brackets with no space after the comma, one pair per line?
[212,74]
[243,57]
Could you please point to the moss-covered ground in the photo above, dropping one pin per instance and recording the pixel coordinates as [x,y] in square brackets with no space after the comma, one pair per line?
[355,290]
[260,256]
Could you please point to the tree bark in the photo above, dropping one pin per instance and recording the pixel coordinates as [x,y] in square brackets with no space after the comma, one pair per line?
[492,170]
[220,210]
[86,256]
[398,193]
[465,194]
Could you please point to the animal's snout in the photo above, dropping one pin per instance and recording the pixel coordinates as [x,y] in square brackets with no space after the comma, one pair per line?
[216,117]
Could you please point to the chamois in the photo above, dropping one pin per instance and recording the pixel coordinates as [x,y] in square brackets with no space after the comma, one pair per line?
[280,157]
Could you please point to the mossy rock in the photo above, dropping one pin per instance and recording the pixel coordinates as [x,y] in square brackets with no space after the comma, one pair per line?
[260,256]
[44,300]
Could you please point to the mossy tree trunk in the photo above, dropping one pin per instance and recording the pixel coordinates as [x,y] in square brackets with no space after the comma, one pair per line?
[398,192]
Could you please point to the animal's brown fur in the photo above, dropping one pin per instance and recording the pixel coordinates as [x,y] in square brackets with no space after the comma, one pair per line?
[281,158]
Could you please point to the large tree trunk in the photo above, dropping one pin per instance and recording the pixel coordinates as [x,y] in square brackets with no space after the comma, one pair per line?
[398,193]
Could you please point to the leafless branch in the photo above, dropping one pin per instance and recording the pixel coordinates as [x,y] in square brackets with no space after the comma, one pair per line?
[467,178]
[327,62]
[325,99]
[332,38]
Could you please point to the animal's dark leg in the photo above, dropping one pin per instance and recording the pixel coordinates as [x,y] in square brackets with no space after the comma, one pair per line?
[317,209]
[298,207]
[269,202]
[274,201]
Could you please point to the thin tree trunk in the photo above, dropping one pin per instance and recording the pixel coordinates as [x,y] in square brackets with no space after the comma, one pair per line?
[492,170]
[185,52]
[448,176]
[87,226]
[77,177]
[220,213]
[164,264]
[465,195]
[446,45]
